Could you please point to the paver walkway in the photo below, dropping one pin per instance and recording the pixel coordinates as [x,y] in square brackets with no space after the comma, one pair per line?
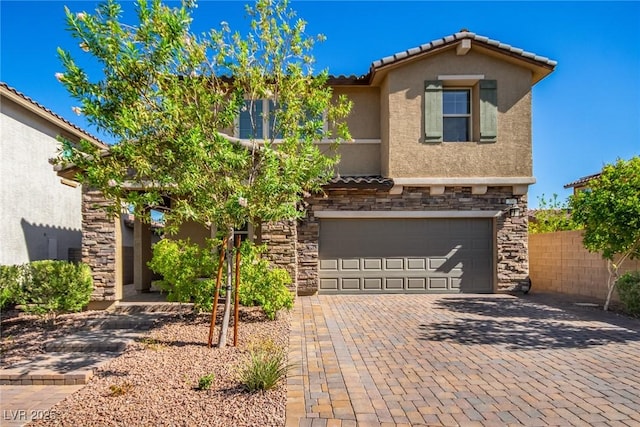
[485,360]
[23,403]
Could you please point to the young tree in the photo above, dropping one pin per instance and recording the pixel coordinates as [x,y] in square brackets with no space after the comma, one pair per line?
[609,211]
[171,99]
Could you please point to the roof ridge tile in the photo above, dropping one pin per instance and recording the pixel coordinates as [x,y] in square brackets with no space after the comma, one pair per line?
[459,36]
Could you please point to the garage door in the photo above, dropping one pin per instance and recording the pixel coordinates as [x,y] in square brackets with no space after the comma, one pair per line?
[405,255]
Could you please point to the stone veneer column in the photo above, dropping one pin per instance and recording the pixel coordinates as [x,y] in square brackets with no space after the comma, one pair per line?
[308,236]
[99,248]
[280,238]
[512,235]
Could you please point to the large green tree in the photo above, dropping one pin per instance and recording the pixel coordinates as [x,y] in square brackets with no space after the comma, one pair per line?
[609,211]
[171,99]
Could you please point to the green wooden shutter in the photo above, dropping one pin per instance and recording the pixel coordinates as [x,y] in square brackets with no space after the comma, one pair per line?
[433,111]
[488,110]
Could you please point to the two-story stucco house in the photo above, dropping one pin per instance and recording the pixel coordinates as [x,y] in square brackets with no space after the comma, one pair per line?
[429,195]
[40,216]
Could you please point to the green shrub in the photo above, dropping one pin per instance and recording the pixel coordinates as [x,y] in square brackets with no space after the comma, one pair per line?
[552,215]
[184,265]
[205,381]
[262,286]
[629,291]
[265,366]
[54,287]
[10,284]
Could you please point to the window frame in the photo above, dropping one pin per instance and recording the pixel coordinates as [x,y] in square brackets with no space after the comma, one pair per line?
[469,116]
[265,120]
[267,127]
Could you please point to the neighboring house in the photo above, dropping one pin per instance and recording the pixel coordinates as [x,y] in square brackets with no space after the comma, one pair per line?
[431,197]
[40,213]
[582,184]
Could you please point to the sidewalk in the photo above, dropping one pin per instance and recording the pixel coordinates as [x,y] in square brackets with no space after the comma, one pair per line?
[23,403]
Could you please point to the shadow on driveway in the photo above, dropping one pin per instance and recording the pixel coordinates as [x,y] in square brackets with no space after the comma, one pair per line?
[527,325]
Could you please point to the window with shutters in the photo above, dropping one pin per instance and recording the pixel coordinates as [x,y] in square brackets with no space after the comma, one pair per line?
[460,110]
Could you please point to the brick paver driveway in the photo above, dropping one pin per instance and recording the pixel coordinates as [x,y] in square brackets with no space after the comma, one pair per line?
[461,360]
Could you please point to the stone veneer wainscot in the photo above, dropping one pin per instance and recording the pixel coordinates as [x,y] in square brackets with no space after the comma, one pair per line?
[511,240]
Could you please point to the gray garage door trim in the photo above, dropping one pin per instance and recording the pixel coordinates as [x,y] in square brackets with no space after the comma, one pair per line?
[407,214]
[406,255]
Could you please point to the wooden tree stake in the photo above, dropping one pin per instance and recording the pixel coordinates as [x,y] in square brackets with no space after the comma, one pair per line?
[217,291]
[237,294]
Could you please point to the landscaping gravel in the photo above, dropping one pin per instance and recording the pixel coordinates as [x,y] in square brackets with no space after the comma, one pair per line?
[154,382]
[24,335]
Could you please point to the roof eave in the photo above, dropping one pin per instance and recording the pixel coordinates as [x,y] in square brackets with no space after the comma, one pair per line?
[582,181]
[539,65]
[30,105]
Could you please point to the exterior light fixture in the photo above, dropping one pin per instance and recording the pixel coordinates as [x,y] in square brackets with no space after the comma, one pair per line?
[514,210]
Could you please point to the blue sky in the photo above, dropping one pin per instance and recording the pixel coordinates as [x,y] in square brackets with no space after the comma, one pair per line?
[585,114]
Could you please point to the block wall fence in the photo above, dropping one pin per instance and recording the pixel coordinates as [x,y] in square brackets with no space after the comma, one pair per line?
[559,263]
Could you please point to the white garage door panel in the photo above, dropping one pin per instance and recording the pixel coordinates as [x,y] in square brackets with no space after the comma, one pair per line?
[405,255]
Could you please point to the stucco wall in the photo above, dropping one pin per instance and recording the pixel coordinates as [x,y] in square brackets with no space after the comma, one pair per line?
[364,119]
[559,263]
[195,232]
[384,129]
[40,218]
[357,158]
[410,156]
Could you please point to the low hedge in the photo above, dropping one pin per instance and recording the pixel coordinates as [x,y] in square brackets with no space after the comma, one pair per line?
[46,288]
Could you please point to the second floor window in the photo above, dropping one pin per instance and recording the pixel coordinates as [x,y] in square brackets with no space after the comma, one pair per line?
[456,115]
[257,120]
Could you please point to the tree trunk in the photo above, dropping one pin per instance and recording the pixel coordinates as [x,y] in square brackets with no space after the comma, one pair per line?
[222,340]
[613,269]
[611,284]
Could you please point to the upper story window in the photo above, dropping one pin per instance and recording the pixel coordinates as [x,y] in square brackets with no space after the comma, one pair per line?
[257,120]
[460,108]
[456,114]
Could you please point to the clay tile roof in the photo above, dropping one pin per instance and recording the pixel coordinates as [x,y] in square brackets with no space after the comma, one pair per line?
[373,181]
[581,181]
[459,36]
[51,114]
